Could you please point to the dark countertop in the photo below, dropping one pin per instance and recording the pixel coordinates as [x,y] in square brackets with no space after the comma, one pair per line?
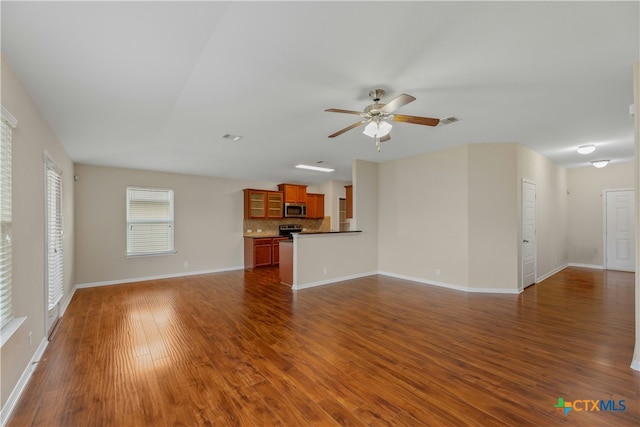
[330,232]
[272,236]
[263,236]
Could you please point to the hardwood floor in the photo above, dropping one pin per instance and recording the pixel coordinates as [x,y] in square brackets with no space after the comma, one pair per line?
[238,348]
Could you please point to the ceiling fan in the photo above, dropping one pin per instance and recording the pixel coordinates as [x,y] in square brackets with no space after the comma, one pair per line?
[377,116]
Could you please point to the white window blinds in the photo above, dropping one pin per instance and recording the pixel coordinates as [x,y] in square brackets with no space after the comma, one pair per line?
[55,264]
[149,221]
[5,223]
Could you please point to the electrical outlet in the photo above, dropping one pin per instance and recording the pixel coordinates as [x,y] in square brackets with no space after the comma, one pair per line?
[324,270]
[259,230]
[249,230]
[437,271]
[186,264]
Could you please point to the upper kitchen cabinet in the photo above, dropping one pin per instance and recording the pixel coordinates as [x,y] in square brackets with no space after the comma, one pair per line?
[294,193]
[315,206]
[275,204]
[263,204]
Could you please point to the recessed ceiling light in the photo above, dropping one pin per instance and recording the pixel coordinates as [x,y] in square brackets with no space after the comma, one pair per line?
[231,137]
[314,168]
[586,149]
[600,163]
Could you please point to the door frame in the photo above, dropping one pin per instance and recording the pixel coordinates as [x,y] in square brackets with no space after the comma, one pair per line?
[521,235]
[605,194]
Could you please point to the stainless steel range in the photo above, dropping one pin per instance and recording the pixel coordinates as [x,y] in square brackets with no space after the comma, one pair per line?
[285,230]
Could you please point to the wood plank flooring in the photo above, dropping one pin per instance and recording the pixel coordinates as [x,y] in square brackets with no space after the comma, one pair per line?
[239,349]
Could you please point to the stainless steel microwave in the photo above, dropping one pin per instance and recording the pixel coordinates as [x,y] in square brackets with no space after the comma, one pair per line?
[295,210]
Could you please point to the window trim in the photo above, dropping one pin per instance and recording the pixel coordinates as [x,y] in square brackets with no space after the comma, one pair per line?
[170,251]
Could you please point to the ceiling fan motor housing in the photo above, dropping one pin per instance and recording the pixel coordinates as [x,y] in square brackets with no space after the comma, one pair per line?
[374,110]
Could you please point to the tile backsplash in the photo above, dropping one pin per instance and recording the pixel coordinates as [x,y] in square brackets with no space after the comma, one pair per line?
[270,226]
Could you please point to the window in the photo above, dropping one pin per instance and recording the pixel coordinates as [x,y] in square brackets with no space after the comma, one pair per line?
[149,221]
[55,263]
[6,314]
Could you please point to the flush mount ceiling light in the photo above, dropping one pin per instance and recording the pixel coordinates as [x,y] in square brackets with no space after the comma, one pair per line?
[377,129]
[600,163]
[314,168]
[586,149]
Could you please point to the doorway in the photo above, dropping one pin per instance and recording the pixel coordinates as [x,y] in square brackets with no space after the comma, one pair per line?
[619,230]
[529,243]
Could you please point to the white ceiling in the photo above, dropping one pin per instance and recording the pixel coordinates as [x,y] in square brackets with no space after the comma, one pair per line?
[155,85]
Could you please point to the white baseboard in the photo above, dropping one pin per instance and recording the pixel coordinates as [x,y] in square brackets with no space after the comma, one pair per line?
[334,280]
[22,383]
[451,286]
[635,364]
[162,276]
[551,273]
[593,266]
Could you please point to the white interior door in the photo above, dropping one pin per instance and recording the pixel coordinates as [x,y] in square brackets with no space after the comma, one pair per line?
[620,230]
[54,284]
[529,243]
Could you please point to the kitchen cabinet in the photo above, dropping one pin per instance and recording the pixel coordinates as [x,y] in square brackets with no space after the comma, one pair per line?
[315,206]
[261,251]
[349,191]
[275,204]
[276,249]
[257,252]
[294,193]
[263,204]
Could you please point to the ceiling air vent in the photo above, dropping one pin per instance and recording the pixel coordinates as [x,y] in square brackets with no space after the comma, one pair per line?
[448,120]
[231,137]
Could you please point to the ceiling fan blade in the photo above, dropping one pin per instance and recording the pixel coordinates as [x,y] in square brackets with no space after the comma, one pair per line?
[385,138]
[397,102]
[338,110]
[427,121]
[348,128]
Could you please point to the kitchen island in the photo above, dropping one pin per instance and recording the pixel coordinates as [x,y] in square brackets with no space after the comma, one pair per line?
[318,258]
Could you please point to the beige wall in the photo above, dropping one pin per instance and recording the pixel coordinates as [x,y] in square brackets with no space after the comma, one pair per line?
[423,208]
[586,208]
[457,212]
[30,139]
[208,224]
[493,216]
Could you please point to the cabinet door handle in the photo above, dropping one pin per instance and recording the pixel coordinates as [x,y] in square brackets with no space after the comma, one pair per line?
[525,241]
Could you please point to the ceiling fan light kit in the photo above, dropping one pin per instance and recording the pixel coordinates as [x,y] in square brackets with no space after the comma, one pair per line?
[377,116]
[377,129]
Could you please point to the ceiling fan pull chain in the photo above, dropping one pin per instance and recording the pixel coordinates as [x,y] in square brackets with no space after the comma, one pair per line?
[378,144]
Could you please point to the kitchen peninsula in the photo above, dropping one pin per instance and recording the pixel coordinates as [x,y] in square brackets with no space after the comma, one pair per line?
[318,258]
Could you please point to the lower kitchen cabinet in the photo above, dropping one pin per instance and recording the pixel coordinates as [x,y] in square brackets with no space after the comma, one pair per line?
[261,251]
[276,249]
